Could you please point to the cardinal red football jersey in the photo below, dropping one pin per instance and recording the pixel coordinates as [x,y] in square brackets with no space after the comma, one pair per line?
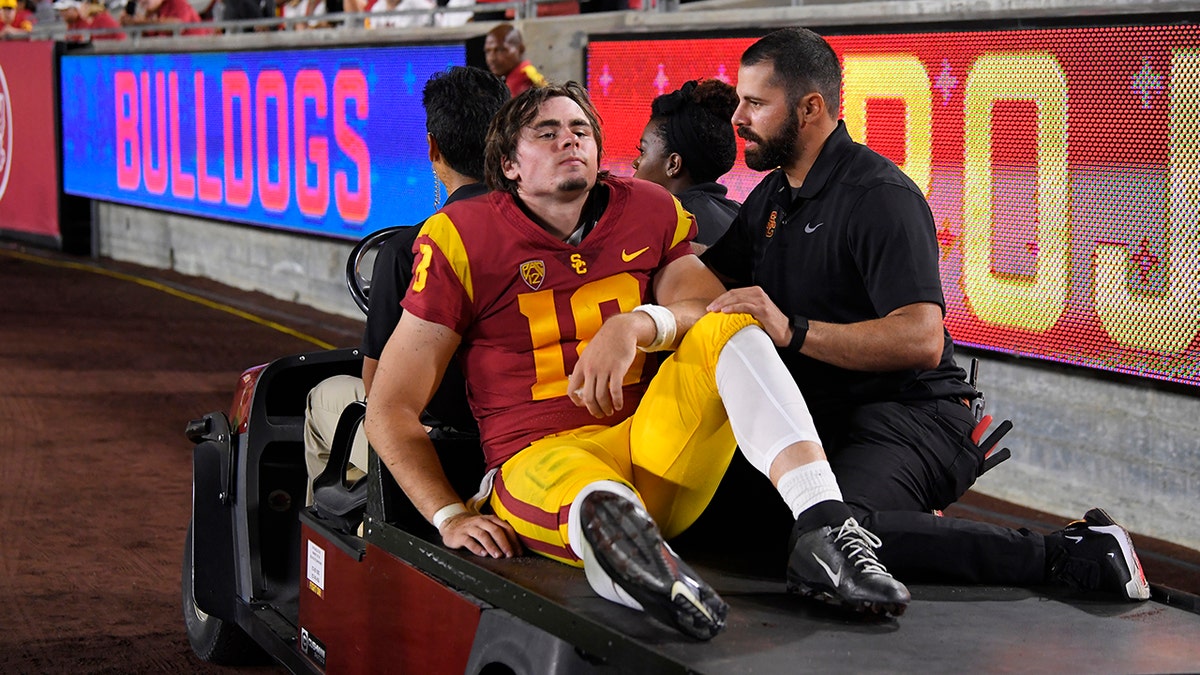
[526,303]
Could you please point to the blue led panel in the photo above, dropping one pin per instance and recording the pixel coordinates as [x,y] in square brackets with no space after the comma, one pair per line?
[330,142]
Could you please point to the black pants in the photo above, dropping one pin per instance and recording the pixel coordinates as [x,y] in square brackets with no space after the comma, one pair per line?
[895,464]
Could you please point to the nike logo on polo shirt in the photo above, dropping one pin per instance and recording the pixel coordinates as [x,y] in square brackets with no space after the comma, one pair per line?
[628,257]
[810,228]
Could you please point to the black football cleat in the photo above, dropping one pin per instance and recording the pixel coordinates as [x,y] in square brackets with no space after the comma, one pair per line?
[1096,554]
[839,566]
[630,549]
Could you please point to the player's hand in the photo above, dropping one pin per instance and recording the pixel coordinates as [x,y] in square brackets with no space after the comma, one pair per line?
[754,301]
[596,381]
[483,535]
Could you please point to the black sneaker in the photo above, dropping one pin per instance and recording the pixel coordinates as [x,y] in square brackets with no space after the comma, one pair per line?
[1096,553]
[839,566]
[629,547]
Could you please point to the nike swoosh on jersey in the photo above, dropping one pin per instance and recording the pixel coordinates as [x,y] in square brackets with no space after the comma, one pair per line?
[628,257]
[810,228]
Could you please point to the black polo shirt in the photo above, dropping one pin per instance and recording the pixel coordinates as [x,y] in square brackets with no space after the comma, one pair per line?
[855,242]
[389,281]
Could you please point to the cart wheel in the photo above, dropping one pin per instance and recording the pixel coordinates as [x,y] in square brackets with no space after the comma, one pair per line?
[212,639]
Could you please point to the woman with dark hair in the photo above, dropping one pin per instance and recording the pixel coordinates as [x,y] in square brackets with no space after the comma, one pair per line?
[687,145]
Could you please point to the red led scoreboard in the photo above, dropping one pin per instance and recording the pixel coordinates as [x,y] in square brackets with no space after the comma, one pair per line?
[1062,167]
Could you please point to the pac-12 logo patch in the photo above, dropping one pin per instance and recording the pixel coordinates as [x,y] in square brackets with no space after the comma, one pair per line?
[6,136]
[534,273]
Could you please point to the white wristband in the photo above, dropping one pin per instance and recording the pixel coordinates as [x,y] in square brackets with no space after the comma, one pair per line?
[446,513]
[664,327]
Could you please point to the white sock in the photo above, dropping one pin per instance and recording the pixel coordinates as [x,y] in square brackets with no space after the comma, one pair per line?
[597,578]
[807,485]
[765,407]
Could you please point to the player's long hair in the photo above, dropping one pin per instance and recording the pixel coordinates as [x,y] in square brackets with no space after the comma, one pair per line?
[803,62]
[520,112]
[459,106]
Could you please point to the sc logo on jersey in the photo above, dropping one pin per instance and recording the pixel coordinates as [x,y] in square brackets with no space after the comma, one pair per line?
[578,264]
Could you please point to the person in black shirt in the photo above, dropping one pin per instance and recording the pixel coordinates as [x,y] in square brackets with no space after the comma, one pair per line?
[835,253]
[235,10]
[459,105]
[686,146]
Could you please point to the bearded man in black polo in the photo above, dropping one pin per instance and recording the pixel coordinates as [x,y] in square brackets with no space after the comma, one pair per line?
[835,254]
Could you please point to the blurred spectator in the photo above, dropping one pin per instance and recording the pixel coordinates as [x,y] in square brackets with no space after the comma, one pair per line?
[441,19]
[43,11]
[318,7]
[508,13]
[236,10]
[453,18]
[297,8]
[292,9]
[162,12]
[87,16]
[504,49]
[401,20]
[14,19]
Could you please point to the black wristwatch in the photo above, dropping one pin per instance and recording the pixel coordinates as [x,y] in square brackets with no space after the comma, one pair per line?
[799,332]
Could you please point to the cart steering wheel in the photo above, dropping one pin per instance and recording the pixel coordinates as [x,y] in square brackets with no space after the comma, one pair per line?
[360,285]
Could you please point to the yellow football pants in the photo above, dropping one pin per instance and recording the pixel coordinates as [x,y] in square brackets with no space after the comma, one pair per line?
[672,451]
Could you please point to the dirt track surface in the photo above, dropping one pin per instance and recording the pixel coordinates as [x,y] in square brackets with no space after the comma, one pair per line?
[98,377]
[101,366]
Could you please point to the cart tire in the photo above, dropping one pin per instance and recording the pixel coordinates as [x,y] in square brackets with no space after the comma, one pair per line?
[212,639]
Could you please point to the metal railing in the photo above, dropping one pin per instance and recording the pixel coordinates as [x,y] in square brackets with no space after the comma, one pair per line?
[521,10]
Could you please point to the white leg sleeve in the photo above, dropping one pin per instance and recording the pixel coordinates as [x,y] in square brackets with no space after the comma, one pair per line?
[765,407]
[596,576]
